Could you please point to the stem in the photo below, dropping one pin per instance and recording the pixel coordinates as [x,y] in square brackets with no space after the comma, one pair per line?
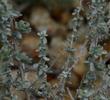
[69,92]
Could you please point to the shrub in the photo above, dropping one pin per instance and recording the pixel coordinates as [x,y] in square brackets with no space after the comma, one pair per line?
[11,56]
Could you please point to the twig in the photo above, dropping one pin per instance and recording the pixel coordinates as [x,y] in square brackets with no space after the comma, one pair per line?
[69,92]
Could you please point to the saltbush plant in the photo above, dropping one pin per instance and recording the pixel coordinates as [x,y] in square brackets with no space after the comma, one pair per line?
[11,31]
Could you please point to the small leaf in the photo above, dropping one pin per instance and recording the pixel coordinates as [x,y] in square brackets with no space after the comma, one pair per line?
[22,57]
[17,34]
[23,26]
[46,59]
